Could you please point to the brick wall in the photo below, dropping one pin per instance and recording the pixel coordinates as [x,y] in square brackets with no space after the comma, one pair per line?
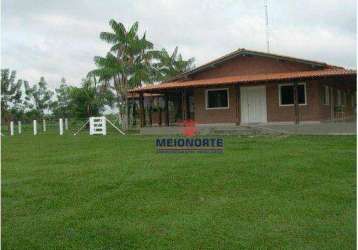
[314,110]
[309,112]
[205,116]
[247,65]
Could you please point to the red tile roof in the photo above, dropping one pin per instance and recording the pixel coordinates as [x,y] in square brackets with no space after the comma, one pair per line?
[245,52]
[298,75]
[136,95]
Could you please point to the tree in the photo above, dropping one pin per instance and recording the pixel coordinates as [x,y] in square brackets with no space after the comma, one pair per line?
[89,99]
[38,97]
[172,65]
[61,106]
[128,64]
[10,94]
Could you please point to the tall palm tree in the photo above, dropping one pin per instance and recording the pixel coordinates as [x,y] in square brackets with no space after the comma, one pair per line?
[127,64]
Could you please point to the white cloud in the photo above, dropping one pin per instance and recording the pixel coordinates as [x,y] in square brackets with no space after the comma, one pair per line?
[58,39]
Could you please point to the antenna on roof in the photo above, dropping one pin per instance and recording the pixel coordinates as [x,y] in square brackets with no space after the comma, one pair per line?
[267,27]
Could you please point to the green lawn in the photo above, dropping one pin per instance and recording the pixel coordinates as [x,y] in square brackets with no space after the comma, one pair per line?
[116,192]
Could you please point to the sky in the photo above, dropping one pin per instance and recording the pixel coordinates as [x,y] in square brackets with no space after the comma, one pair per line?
[58,39]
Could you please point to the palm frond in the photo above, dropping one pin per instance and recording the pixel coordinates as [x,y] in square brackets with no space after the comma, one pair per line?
[118,27]
[133,30]
[108,37]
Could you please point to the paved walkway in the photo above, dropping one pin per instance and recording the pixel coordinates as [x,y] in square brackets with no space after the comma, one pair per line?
[328,128]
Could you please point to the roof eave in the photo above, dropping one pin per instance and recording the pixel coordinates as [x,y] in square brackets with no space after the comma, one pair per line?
[248,52]
[278,79]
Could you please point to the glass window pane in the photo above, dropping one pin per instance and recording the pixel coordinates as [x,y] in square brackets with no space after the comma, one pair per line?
[286,95]
[217,99]
[323,94]
[301,94]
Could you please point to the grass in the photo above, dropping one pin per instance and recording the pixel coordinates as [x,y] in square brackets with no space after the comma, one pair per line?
[115,192]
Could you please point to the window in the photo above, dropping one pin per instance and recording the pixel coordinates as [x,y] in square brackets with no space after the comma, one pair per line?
[286,94]
[325,95]
[217,98]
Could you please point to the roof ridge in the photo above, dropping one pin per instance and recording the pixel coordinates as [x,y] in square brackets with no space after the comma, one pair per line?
[239,51]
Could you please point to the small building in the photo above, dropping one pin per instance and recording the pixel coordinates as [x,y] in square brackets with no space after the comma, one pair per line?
[250,87]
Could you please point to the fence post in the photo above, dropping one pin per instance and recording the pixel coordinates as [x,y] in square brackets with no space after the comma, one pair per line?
[61,126]
[44,125]
[66,124]
[35,127]
[11,128]
[19,126]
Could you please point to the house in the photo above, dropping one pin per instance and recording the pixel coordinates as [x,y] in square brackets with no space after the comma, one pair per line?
[246,87]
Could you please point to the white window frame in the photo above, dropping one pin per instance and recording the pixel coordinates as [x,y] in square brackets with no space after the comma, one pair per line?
[206,98]
[291,84]
[327,99]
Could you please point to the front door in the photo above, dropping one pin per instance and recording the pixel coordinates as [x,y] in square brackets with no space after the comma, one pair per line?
[253,104]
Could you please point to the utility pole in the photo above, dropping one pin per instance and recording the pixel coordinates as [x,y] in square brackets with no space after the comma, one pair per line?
[267,27]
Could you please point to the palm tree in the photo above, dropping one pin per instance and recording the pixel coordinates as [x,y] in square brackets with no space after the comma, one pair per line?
[127,64]
[172,65]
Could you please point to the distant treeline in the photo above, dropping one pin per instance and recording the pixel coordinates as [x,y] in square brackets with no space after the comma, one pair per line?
[131,62]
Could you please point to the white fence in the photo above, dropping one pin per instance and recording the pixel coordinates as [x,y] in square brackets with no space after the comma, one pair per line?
[62,126]
[35,127]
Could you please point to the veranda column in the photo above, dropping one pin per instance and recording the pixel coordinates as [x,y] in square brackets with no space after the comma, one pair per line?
[166,109]
[238,106]
[150,111]
[187,98]
[295,102]
[128,110]
[160,116]
[331,100]
[184,105]
[141,110]
[134,112]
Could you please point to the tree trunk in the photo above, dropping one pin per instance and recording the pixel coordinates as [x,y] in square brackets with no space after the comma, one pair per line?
[117,87]
[124,112]
[120,118]
[127,112]
[134,110]
[7,121]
